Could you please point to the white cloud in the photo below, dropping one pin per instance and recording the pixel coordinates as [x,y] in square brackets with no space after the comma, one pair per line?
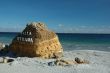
[83,26]
[60,25]
[14,28]
[82,29]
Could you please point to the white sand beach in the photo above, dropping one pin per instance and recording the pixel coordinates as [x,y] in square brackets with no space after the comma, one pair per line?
[99,62]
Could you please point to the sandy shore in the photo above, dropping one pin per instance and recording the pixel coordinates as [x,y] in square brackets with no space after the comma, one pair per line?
[99,63]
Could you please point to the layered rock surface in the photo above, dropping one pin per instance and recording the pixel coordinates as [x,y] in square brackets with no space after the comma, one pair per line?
[37,41]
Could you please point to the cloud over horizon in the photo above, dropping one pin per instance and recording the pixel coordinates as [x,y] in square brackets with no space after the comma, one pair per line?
[62,28]
[82,29]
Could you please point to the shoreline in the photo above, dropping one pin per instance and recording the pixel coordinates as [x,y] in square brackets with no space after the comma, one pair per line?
[75,47]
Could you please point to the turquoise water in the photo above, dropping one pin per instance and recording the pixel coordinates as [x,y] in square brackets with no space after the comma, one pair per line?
[73,41]
[85,41]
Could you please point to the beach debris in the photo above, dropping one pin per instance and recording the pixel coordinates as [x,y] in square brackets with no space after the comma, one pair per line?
[51,63]
[37,41]
[57,55]
[5,60]
[4,49]
[1,59]
[80,61]
[2,46]
[61,62]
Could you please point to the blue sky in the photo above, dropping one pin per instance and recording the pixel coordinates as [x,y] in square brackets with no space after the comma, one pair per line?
[67,16]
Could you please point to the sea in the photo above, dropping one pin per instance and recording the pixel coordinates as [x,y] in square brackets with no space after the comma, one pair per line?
[72,41]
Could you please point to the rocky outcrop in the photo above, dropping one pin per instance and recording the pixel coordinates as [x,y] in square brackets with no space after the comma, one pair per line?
[37,41]
[81,61]
[2,46]
[4,49]
[5,60]
[62,62]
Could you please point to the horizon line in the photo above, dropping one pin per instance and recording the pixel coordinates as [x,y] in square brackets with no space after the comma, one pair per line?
[60,33]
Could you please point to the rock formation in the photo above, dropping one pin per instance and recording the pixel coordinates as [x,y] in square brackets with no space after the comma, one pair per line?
[37,41]
[2,46]
[63,62]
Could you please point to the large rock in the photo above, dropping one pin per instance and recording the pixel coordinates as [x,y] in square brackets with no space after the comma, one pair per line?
[37,41]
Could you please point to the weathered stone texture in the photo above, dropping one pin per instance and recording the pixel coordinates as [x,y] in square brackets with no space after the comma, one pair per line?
[37,40]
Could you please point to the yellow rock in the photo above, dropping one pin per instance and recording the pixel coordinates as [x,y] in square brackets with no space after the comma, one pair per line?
[37,41]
